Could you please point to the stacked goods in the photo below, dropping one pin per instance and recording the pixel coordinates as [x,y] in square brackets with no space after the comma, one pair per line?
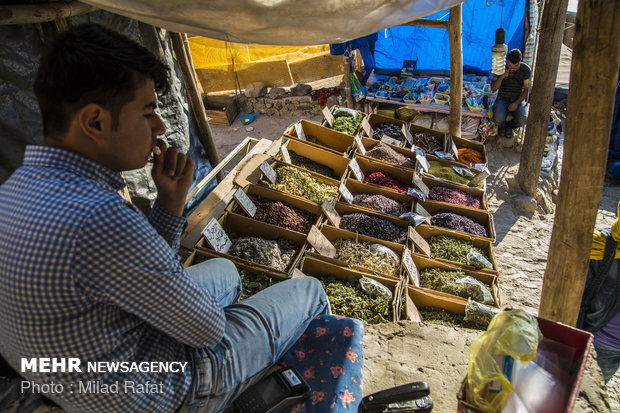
[370,256]
[310,165]
[389,129]
[373,227]
[282,214]
[380,203]
[470,156]
[293,181]
[449,248]
[427,142]
[454,196]
[456,283]
[380,178]
[350,300]
[384,152]
[458,222]
[447,171]
[345,122]
[276,254]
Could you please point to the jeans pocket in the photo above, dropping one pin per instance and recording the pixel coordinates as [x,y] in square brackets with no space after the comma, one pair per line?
[204,378]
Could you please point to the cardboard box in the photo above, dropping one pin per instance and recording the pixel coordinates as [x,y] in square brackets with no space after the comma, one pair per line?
[440,136]
[416,298]
[222,110]
[335,109]
[331,140]
[427,231]
[453,164]
[336,162]
[344,208]
[276,164]
[369,165]
[479,216]
[318,268]
[244,226]
[421,262]
[430,181]
[369,143]
[333,234]
[374,119]
[466,143]
[579,340]
[357,187]
[272,194]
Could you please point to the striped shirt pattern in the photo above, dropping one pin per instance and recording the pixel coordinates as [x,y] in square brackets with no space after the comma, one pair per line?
[84,274]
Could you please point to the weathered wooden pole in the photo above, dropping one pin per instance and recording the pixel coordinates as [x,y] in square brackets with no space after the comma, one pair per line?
[594,75]
[181,49]
[346,61]
[543,86]
[456,69]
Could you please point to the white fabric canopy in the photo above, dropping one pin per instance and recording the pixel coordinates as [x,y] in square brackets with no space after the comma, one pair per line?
[276,22]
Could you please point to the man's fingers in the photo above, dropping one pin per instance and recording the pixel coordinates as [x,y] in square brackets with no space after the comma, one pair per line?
[180,166]
[170,163]
[158,158]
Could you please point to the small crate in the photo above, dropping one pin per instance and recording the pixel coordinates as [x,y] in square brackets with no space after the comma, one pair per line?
[442,99]
[221,110]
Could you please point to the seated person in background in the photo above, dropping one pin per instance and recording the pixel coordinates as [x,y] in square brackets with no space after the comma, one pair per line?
[600,305]
[85,275]
[513,86]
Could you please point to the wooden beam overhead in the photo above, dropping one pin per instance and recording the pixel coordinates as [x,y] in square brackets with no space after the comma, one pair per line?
[441,24]
[41,13]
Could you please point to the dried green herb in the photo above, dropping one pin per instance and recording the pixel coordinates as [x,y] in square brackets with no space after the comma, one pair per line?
[349,300]
[345,122]
[479,315]
[373,227]
[276,254]
[281,214]
[456,283]
[254,282]
[313,166]
[442,317]
[365,255]
[452,249]
[296,182]
[446,171]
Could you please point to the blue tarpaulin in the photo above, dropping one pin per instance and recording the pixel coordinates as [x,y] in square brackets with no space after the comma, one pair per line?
[430,46]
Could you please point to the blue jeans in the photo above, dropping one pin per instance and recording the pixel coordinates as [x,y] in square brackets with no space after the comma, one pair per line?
[259,330]
[500,113]
[608,360]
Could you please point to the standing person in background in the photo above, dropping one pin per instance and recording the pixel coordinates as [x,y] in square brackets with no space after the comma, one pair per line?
[514,86]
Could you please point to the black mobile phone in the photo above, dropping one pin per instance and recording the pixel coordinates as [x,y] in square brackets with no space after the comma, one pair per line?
[275,392]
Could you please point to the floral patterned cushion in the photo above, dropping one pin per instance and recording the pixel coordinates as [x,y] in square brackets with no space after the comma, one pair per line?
[330,357]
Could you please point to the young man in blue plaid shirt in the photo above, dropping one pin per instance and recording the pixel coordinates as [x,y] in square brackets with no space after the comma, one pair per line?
[86,276]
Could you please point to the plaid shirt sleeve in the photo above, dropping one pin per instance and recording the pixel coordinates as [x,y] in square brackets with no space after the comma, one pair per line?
[168,225]
[121,259]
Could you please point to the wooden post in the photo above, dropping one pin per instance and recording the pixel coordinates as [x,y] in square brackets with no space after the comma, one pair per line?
[181,49]
[594,74]
[543,86]
[347,81]
[456,69]
[440,24]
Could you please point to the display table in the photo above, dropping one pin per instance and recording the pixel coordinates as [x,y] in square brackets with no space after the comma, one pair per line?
[429,107]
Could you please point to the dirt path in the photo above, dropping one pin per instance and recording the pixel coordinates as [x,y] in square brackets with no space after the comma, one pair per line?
[399,353]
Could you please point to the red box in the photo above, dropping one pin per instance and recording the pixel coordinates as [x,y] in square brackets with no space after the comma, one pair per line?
[580,340]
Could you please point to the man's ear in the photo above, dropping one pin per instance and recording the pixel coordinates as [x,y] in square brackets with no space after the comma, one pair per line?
[95,122]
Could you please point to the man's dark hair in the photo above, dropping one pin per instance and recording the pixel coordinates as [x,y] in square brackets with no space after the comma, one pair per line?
[91,64]
[514,56]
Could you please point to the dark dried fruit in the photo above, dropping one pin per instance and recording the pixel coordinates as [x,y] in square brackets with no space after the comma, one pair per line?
[373,227]
[281,214]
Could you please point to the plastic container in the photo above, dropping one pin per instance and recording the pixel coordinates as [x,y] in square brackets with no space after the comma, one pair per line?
[442,99]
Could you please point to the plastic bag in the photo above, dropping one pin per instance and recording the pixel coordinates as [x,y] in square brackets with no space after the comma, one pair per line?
[476,290]
[416,193]
[387,251]
[463,171]
[511,340]
[414,218]
[480,314]
[477,260]
[375,289]
[479,177]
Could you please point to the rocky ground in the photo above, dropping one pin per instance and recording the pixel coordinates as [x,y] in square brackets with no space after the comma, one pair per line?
[398,353]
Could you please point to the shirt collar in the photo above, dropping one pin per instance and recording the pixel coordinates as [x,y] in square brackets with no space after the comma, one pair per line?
[47,156]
